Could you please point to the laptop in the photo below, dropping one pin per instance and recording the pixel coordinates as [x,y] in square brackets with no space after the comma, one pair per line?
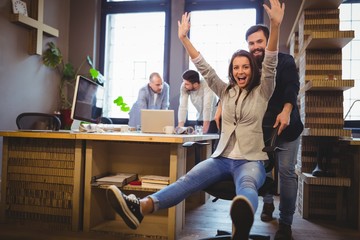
[154,121]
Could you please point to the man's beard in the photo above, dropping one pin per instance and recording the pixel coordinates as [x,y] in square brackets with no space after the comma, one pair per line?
[259,58]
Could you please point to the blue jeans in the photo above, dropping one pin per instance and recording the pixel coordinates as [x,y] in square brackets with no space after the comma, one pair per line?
[248,176]
[288,180]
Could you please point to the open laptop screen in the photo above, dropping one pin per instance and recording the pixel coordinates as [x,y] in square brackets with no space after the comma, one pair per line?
[88,100]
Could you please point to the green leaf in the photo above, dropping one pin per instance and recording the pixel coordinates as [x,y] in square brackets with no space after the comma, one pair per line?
[125,108]
[68,71]
[119,101]
[52,56]
[94,73]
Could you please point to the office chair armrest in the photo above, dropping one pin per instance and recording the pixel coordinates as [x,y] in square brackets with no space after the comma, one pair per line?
[195,144]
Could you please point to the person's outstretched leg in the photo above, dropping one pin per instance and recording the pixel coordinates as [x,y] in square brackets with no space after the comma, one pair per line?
[242,216]
[128,207]
[132,209]
[248,177]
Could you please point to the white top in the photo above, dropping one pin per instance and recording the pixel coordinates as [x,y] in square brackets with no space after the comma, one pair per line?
[203,99]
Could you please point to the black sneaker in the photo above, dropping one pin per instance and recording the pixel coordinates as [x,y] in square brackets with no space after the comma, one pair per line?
[266,214]
[128,207]
[242,217]
[284,232]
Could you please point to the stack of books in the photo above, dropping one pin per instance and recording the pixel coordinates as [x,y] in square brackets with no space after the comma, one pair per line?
[117,179]
[154,181]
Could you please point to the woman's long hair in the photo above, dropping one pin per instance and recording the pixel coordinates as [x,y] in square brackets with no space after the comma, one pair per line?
[255,76]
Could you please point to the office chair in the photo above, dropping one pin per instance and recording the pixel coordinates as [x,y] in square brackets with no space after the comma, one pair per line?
[226,189]
[38,121]
[106,120]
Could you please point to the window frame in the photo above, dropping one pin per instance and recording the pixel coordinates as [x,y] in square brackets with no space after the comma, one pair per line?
[136,6]
[203,5]
[133,7]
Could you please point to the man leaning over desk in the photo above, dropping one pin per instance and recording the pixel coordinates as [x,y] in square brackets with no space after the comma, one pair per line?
[154,95]
[203,99]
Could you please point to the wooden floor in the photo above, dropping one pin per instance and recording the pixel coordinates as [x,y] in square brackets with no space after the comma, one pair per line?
[203,222]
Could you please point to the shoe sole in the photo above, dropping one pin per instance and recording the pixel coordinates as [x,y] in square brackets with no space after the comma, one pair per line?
[242,217]
[118,203]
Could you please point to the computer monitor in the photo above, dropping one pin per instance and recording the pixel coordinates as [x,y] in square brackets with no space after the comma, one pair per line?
[88,100]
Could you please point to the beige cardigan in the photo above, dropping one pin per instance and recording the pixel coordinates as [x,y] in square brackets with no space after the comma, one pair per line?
[250,111]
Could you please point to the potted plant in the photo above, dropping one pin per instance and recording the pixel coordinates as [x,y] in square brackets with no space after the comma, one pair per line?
[52,57]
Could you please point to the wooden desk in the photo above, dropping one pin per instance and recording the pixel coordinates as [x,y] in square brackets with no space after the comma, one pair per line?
[94,154]
[135,153]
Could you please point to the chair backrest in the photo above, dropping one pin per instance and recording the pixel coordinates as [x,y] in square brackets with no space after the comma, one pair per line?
[37,121]
[106,120]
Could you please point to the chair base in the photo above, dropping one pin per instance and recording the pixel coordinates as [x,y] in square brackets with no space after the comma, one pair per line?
[224,235]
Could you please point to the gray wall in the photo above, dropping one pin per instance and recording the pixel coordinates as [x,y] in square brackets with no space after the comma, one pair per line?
[27,85]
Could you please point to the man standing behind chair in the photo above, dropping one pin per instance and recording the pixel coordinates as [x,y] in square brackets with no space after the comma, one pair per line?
[154,95]
[282,109]
[203,99]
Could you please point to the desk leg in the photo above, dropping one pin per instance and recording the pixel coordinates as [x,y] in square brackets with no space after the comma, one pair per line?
[3,189]
[177,169]
[87,188]
[78,185]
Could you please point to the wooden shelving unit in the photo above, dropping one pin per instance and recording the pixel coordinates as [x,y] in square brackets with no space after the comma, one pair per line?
[327,85]
[105,157]
[316,42]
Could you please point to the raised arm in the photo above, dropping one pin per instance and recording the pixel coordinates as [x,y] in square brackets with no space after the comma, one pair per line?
[183,30]
[276,14]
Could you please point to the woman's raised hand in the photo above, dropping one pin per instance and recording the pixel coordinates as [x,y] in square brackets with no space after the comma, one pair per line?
[184,26]
[183,30]
[276,12]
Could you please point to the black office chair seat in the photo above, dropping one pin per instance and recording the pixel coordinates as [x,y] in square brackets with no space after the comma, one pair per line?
[38,121]
[226,189]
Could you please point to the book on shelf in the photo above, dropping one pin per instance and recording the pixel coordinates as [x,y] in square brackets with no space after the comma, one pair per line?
[117,179]
[155,179]
[153,185]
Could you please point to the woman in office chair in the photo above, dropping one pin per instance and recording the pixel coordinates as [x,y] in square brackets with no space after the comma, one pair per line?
[239,153]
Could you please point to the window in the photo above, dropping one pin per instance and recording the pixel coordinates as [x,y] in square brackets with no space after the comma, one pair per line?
[350,20]
[219,33]
[135,43]
[135,35]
